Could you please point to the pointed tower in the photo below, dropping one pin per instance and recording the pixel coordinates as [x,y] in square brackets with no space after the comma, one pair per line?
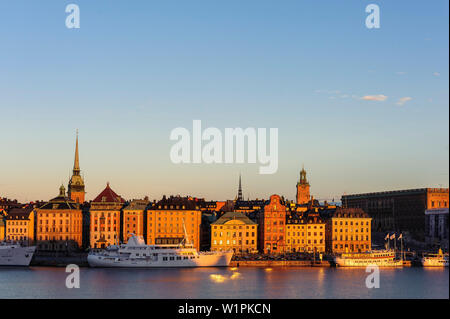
[240,197]
[303,195]
[76,184]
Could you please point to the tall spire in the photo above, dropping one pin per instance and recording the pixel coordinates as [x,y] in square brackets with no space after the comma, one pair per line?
[76,164]
[240,197]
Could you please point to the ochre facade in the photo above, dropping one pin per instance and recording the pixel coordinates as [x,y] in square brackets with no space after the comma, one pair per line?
[234,232]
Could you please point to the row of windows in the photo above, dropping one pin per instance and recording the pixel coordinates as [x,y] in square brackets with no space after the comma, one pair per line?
[351,230]
[303,234]
[304,226]
[234,242]
[234,234]
[351,237]
[351,223]
[60,229]
[356,246]
[234,227]
[310,241]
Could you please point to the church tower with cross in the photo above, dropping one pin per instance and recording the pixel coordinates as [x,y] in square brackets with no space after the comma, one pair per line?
[76,190]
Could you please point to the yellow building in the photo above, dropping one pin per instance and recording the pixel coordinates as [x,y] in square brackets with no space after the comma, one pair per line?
[348,230]
[234,231]
[2,229]
[167,219]
[20,224]
[305,233]
[59,224]
[105,219]
[133,218]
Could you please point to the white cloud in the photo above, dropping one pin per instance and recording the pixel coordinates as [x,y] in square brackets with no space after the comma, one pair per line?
[403,100]
[436,74]
[379,97]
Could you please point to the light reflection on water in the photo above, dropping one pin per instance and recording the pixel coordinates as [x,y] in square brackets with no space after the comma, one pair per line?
[243,282]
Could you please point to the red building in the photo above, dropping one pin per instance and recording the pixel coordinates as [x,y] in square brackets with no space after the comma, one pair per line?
[272,222]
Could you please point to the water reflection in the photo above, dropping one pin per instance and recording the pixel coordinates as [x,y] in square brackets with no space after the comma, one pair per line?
[242,282]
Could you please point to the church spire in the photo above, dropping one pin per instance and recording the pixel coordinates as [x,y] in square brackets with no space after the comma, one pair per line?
[240,197]
[76,190]
[76,164]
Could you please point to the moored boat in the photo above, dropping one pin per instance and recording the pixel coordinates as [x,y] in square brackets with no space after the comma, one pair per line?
[15,254]
[435,260]
[380,258]
[136,254]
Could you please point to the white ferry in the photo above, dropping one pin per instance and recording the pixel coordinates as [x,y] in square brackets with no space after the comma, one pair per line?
[435,260]
[380,258]
[15,255]
[136,254]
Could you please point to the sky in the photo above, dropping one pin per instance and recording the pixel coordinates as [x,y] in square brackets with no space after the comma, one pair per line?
[362,109]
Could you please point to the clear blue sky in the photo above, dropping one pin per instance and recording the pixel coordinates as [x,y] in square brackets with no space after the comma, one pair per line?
[137,69]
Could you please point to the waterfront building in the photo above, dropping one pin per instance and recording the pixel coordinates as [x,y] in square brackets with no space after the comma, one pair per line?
[76,191]
[19,224]
[59,224]
[303,189]
[167,219]
[436,227]
[234,231]
[400,211]
[348,230]
[133,218]
[105,212]
[2,229]
[271,221]
[305,233]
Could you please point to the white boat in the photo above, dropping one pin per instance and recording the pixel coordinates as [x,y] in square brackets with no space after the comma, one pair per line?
[136,254]
[435,260]
[15,255]
[380,258]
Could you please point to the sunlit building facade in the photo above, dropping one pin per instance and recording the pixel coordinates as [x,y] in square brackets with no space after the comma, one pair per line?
[234,231]
[272,221]
[59,224]
[20,225]
[133,218]
[305,233]
[105,213]
[348,230]
[168,218]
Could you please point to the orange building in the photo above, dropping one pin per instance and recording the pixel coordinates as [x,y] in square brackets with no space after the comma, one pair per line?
[348,230]
[272,226]
[76,191]
[133,218]
[303,188]
[59,223]
[20,224]
[167,219]
[105,219]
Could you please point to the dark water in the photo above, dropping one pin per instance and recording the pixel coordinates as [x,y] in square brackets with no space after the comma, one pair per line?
[45,282]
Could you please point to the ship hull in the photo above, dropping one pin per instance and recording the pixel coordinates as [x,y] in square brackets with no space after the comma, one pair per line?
[16,256]
[207,260]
